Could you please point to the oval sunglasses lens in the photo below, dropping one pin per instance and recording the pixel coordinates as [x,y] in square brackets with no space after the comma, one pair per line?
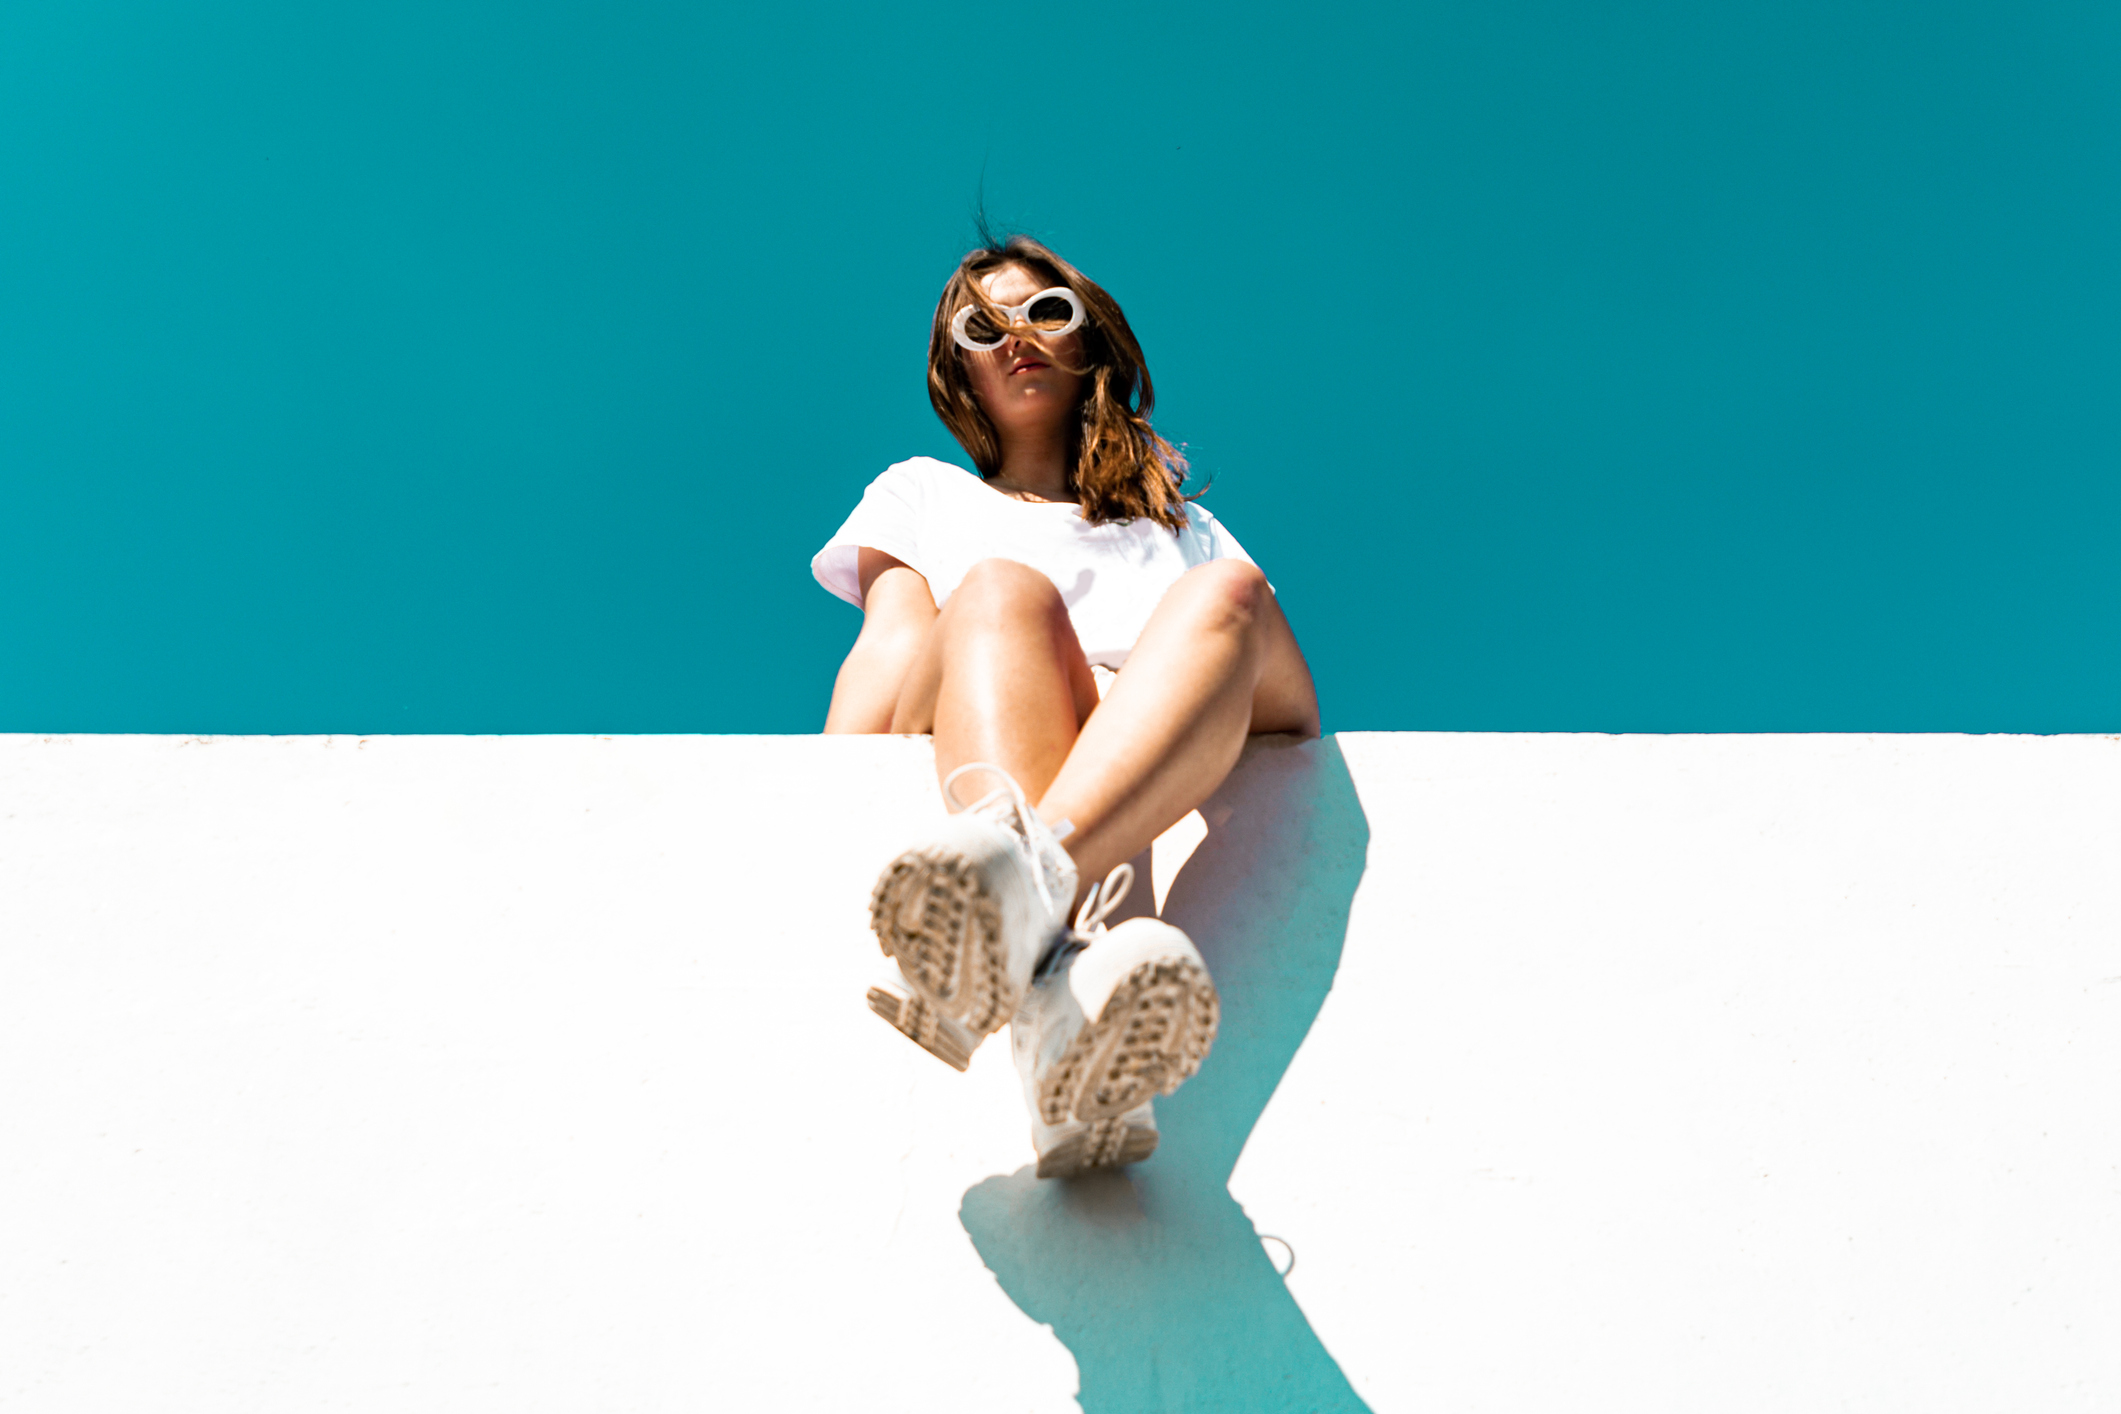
[1052,312]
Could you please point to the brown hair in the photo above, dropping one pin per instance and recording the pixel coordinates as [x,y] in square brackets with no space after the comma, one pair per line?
[1123,469]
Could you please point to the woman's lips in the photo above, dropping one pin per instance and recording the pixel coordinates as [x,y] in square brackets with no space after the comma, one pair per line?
[1026,366]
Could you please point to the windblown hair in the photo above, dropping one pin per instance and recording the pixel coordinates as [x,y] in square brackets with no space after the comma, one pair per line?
[1123,469]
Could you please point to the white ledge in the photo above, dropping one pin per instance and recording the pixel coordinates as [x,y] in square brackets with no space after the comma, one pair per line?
[1577,1072]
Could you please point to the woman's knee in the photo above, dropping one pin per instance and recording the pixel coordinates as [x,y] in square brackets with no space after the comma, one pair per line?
[999,589]
[1230,590]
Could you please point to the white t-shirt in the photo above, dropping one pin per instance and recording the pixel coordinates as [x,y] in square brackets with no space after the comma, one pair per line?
[942,520]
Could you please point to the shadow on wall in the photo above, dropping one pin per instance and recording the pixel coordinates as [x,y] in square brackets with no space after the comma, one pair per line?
[1153,1276]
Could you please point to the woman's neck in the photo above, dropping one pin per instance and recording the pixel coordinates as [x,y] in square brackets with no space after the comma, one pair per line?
[1034,471]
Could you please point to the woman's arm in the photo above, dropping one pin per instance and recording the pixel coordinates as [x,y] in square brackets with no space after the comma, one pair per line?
[897,612]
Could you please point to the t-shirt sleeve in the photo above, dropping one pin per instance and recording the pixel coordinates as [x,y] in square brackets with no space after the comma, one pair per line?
[1211,539]
[887,519]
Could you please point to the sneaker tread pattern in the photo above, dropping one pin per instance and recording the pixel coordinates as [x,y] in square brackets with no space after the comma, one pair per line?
[1103,1143]
[933,1032]
[933,917]
[1155,1030]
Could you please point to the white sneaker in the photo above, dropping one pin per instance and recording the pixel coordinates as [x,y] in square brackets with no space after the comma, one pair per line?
[1129,1017]
[967,914]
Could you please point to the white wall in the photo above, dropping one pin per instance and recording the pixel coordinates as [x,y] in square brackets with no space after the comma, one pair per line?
[1577,1072]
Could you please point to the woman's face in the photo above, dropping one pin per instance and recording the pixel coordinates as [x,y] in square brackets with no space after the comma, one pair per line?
[1022,393]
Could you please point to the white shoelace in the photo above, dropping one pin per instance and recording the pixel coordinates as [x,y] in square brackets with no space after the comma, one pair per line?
[1099,905]
[1089,921]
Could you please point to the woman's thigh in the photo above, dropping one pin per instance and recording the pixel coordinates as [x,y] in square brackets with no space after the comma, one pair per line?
[1182,638]
[1003,636]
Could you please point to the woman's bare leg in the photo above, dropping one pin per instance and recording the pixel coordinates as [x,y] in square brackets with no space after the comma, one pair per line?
[1216,663]
[1001,678]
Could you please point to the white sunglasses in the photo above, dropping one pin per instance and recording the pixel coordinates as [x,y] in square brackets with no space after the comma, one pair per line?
[1056,311]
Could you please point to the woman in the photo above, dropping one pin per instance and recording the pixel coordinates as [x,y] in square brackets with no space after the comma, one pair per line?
[1090,651]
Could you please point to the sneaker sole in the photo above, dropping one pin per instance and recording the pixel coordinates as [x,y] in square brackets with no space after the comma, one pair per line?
[933,918]
[940,1036]
[1100,1144]
[1155,1030]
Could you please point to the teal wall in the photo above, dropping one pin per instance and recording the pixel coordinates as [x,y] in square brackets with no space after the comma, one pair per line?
[450,366]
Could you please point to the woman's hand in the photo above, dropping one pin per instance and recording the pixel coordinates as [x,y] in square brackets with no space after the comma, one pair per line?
[898,611]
